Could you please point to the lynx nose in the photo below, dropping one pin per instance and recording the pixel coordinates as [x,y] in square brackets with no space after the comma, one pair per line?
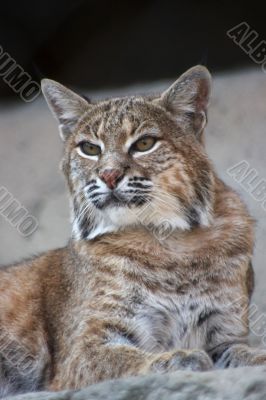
[111,177]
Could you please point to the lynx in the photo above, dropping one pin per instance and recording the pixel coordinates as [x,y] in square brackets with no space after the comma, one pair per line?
[157,275]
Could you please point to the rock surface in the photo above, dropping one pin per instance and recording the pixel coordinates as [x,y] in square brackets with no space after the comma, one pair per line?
[231,384]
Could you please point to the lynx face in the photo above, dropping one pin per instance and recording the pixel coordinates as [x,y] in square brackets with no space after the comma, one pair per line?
[136,160]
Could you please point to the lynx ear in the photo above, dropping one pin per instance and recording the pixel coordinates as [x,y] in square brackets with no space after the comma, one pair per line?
[187,99]
[66,106]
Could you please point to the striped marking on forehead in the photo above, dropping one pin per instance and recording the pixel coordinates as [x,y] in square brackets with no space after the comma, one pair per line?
[95,126]
[127,126]
[119,119]
[120,108]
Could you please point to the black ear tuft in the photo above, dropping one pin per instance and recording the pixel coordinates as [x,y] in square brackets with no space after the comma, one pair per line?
[86,98]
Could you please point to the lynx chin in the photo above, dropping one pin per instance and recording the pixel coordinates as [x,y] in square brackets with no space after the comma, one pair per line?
[120,299]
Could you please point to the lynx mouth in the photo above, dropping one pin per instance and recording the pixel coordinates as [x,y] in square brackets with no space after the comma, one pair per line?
[118,199]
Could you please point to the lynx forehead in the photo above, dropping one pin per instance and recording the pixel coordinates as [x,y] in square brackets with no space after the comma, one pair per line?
[117,123]
[136,160]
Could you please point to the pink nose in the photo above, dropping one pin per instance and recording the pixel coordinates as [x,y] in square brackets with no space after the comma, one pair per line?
[111,177]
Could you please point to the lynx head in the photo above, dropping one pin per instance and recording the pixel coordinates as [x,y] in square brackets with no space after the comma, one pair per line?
[136,160]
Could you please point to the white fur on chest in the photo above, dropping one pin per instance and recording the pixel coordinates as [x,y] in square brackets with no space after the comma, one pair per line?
[162,324]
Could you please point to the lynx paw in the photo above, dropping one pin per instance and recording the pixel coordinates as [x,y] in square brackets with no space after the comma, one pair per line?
[241,355]
[194,360]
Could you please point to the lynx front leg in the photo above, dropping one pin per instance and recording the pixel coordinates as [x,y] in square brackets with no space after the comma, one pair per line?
[110,362]
[110,352]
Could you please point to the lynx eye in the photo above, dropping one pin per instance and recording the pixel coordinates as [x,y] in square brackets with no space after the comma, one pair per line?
[144,144]
[90,149]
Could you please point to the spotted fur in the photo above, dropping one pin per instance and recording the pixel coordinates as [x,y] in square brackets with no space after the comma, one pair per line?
[157,275]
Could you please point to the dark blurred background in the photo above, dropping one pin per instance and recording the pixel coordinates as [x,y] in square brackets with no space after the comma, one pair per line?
[95,44]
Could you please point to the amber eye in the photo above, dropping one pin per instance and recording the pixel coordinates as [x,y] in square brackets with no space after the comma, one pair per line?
[90,149]
[144,144]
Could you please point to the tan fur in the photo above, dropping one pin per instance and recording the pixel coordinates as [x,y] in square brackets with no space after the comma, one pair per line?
[119,299]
